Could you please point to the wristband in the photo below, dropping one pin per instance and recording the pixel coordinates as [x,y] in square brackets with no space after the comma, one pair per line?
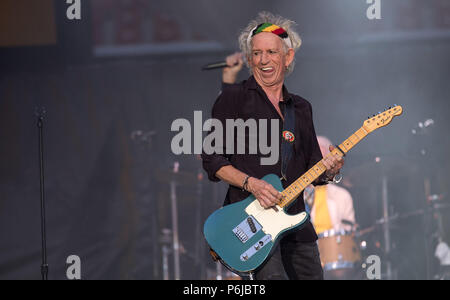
[337,179]
[245,183]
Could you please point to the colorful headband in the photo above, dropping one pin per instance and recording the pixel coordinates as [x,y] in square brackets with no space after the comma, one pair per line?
[269,27]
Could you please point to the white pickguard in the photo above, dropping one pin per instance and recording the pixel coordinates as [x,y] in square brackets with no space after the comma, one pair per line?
[273,222]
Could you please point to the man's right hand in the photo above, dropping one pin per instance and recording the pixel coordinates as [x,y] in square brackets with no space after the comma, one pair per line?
[264,192]
[229,74]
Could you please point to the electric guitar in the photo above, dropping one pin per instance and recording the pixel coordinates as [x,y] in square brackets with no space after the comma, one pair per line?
[243,235]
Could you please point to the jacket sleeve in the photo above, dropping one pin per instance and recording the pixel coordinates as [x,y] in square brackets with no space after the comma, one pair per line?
[215,154]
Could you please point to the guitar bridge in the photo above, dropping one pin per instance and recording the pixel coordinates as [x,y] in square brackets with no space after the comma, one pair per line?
[246,229]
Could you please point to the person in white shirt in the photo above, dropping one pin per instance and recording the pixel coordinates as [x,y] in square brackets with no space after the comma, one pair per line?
[337,211]
[331,209]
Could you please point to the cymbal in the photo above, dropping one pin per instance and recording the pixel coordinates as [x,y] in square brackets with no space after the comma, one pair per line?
[364,231]
[374,168]
[399,217]
[441,205]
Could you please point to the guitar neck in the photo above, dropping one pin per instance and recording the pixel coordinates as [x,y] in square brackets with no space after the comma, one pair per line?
[293,191]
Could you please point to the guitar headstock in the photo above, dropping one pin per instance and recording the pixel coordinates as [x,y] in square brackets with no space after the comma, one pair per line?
[382,118]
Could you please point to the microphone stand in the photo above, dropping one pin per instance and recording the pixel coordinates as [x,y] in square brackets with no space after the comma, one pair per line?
[386,227]
[199,259]
[40,113]
[176,243]
[144,141]
[422,134]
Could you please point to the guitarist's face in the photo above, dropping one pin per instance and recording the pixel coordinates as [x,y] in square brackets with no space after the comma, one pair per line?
[269,59]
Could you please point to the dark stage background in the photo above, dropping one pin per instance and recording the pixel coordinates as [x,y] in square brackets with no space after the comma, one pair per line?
[134,67]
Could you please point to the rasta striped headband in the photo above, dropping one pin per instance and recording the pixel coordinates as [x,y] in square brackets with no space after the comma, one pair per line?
[269,27]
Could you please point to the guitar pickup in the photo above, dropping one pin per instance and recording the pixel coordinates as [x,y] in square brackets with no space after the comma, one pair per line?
[246,229]
[251,224]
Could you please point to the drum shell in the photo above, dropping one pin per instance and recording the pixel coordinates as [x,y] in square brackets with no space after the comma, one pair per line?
[338,250]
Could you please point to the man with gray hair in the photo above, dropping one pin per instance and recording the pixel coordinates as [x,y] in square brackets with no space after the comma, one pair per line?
[268,45]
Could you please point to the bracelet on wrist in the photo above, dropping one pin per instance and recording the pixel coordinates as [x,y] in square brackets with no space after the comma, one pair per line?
[245,183]
[337,178]
[329,178]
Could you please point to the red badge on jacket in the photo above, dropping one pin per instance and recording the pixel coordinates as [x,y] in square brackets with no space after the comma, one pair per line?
[288,136]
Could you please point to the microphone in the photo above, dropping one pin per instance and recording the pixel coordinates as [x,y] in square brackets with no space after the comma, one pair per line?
[216,65]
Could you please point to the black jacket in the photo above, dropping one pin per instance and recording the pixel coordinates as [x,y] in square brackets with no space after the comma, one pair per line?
[247,100]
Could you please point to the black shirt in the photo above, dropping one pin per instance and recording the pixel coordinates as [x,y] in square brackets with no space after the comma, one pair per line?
[247,100]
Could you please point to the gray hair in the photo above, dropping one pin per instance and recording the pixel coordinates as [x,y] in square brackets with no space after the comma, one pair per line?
[267,17]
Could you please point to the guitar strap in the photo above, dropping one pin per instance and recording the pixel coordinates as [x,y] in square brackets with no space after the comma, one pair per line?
[288,137]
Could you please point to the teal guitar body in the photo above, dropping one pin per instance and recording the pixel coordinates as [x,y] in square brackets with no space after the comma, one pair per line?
[244,234]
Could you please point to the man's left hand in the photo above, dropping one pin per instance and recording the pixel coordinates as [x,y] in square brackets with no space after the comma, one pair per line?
[333,163]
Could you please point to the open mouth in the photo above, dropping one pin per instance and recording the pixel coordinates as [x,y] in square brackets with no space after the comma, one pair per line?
[267,70]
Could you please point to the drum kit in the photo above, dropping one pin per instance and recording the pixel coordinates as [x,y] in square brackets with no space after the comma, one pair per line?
[344,252]
[411,236]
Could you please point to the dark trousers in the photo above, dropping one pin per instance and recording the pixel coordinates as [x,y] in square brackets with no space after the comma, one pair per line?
[292,260]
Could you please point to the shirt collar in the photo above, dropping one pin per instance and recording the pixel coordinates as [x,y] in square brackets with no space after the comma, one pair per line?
[251,84]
